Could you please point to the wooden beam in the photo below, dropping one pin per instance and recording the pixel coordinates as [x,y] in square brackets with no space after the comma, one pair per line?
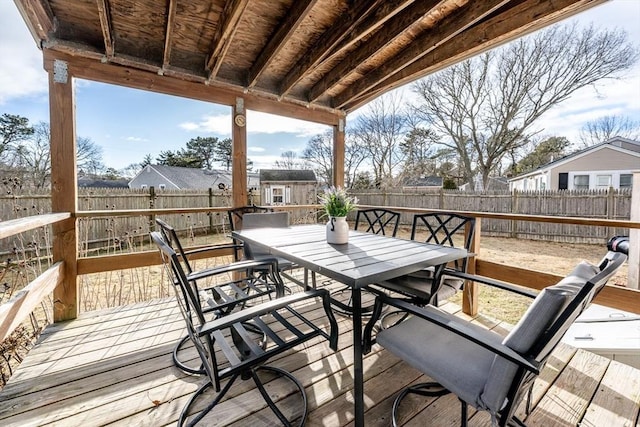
[18,308]
[293,19]
[38,16]
[64,188]
[338,154]
[329,39]
[105,24]
[445,30]
[168,36]
[525,17]
[15,226]
[239,154]
[471,290]
[94,69]
[227,26]
[104,263]
[379,41]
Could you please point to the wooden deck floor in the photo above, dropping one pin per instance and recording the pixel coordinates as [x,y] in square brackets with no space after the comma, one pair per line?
[114,367]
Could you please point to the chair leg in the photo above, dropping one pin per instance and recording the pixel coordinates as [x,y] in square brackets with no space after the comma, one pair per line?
[180,364]
[272,405]
[185,411]
[423,389]
[463,414]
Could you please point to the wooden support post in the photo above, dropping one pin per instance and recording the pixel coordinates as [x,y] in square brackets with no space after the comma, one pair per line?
[64,188]
[471,290]
[239,161]
[633,280]
[338,154]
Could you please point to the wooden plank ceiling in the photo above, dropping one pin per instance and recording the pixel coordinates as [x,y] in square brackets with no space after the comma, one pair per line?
[328,56]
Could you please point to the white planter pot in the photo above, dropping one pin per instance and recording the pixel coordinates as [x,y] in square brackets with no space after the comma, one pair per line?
[337,230]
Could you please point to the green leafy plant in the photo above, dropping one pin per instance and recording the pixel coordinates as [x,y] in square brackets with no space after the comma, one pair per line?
[336,202]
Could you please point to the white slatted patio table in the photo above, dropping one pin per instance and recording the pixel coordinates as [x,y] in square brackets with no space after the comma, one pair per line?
[366,259]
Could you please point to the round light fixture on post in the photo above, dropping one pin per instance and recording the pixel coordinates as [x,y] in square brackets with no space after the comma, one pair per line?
[240,120]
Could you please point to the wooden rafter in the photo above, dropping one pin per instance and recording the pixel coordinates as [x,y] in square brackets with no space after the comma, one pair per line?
[329,39]
[38,16]
[168,38]
[448,28]
[107,30]
[227,26]
[294,17]
[525,17]
[393,28]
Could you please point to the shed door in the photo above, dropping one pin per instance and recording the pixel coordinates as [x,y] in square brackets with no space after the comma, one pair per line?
[563,181]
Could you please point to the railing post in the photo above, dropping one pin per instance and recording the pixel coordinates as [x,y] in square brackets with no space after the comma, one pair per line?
[210,213]
[471,290]
[633,278]
[152,205]
[64,188]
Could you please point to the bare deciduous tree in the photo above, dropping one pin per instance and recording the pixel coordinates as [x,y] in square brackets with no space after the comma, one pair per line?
[379,131]
[34,156]
[289,160]
[486,107]
[607,127]
[319,155]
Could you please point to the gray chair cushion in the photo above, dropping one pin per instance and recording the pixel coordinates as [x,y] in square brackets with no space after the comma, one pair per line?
[455,362]
[267,219]
[540,315]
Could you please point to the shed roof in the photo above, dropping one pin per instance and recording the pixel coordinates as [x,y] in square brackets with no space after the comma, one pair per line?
[297,175]
[424,181]
[311,59]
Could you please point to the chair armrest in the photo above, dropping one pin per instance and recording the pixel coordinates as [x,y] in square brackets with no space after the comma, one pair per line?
[458,326]
[491,282]
[234,266]
[213,248]
[249,313]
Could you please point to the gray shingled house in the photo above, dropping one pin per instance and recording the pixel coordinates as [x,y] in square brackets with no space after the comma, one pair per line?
[177,178]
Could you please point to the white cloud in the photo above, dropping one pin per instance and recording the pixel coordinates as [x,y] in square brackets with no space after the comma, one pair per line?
[22,73]
[256,149]
[136,139]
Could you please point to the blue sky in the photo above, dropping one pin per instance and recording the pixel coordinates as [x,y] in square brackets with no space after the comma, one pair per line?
[128,124]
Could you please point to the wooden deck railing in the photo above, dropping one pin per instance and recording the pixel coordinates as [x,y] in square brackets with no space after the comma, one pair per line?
[21,305]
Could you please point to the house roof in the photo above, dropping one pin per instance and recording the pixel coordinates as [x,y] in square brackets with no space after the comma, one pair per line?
[310,59]
[424,181]
[195,178]
[102,183]
[287,175]
[630,146]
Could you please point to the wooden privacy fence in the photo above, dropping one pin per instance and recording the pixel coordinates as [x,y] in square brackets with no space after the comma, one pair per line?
[600,204]
[115,231]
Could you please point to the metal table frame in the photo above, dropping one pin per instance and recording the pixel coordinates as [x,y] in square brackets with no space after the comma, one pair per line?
[365,260]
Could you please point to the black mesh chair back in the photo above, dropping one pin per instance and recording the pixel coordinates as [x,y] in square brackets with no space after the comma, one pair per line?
[447,229]
[235,215]
[230,347]
[377,221]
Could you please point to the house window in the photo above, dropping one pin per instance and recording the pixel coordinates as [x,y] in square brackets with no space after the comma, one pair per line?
[626,180]
[277,195]
[162,186]
[581,182]
[143,186]
[603,182]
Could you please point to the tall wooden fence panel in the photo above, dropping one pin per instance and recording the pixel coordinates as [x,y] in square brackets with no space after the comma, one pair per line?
[609,204]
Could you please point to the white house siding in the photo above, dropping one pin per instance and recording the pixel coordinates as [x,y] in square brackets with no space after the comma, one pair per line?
[601,162]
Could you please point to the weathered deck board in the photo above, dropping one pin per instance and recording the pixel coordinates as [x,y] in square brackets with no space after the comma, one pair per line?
[114,367]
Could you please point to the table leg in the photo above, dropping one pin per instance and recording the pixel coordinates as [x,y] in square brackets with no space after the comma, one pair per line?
[358,374]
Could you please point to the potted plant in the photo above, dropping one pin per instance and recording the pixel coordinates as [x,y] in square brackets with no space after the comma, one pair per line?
[337,204]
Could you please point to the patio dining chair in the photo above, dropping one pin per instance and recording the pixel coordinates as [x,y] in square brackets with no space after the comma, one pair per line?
[221,297]
[480,367]
[272,220]
[377,221]
[435,284]
[227,348]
